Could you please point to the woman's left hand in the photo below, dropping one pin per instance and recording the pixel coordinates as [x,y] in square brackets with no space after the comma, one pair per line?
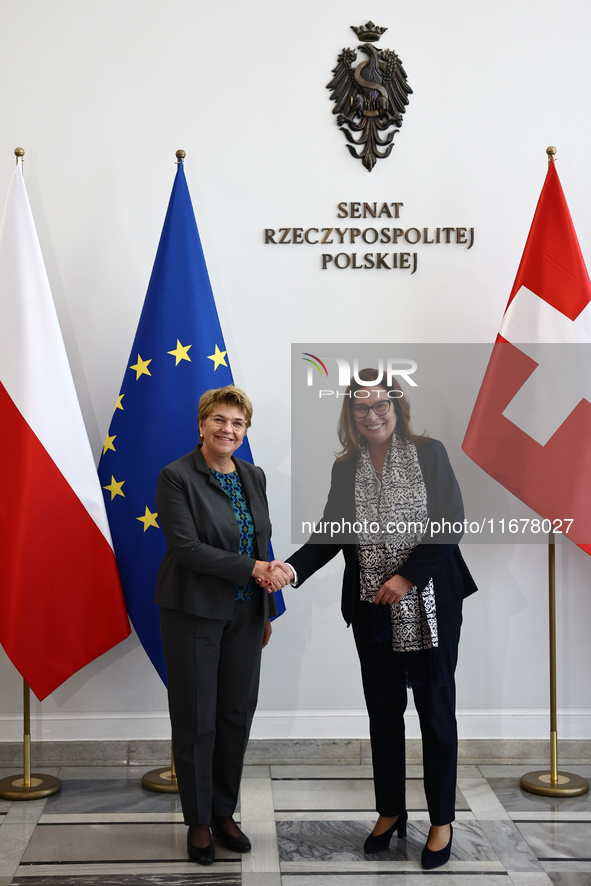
[267,631]
[393,590]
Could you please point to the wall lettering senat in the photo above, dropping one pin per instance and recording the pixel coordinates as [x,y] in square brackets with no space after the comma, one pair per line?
[357,236]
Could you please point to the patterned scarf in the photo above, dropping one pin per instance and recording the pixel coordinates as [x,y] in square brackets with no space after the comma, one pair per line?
[401,500]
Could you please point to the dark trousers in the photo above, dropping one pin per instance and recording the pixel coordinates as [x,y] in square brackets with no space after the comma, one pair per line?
[213,681]
[386,705]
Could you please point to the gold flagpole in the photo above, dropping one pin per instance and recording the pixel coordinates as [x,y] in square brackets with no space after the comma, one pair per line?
[553,783]
[164,780]
[28,786]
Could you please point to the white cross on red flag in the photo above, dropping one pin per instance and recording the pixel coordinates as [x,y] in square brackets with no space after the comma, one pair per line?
[530,428]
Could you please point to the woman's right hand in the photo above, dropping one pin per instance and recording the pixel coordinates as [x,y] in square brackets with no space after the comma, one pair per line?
[271,579]
[393,590]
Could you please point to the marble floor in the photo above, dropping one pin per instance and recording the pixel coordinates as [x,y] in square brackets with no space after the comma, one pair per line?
[307,825]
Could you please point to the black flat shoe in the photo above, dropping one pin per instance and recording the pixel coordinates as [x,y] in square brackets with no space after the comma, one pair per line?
[201,856]
[382,841]
[431,859]
[240,843]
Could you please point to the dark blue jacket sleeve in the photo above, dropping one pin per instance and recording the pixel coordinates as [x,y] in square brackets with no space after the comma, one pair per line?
[317,552]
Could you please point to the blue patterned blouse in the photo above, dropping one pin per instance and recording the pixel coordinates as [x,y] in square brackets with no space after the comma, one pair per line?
[232,486]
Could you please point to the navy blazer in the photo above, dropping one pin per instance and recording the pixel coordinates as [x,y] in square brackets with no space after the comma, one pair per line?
[440,561]
[202,567]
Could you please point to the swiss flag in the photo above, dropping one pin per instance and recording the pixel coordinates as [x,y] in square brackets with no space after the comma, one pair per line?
[531,425]
[61,603]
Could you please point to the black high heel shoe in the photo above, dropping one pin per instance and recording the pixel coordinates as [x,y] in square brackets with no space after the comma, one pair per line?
[206,855]
[382,841]
[434,859]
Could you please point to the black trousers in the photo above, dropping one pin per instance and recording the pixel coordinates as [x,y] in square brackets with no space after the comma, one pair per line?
[386,705]
[213,681]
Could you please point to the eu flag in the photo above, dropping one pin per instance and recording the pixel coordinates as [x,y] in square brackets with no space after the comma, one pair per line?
[177,354]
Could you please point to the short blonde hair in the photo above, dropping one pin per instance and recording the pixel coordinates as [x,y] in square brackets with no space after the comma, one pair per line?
[230,395]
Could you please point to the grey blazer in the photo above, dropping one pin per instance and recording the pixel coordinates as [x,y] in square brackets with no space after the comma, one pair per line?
[202,567]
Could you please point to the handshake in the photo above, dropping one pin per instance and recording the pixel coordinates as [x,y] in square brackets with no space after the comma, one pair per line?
[272,576]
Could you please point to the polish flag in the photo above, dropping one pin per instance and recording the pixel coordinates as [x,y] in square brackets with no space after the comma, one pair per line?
[61,604]
[531,425]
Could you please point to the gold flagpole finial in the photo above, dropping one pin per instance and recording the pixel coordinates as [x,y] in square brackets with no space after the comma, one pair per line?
[551,152]
[180,156]
[19,152]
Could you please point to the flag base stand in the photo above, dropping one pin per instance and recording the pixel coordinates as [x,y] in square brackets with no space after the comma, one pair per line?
[163,780]
[566,785]
[13,787]
[28,786]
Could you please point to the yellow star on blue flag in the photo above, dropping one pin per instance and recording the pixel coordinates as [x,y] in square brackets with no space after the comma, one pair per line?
[149,519]
[141,367]
[180,352]
[218,358]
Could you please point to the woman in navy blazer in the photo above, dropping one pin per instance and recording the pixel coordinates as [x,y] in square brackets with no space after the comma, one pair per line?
[375,424]
[214,618]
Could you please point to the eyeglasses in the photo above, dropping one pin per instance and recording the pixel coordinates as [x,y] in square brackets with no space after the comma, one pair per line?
[360,410]
[220,422]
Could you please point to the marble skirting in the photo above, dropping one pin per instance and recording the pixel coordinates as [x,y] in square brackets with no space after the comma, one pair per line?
[293,751]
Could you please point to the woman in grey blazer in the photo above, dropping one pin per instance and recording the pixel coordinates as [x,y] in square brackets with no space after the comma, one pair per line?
[214,616]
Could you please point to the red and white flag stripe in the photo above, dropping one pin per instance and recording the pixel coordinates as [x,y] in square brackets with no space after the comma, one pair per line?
[60,600]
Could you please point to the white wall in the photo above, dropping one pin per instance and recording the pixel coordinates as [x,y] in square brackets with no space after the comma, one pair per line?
[102,94]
